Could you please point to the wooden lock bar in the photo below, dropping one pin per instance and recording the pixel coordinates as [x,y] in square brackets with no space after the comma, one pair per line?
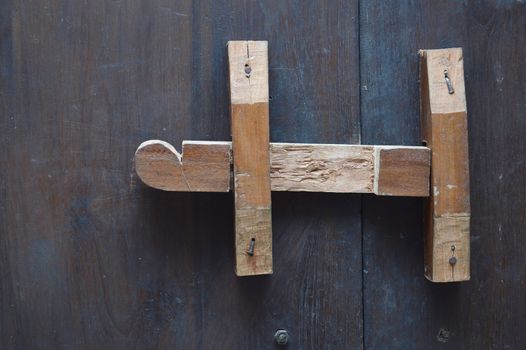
[205,166]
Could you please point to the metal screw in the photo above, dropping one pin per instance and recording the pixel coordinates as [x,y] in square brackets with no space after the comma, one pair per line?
[281,337]
[452,260]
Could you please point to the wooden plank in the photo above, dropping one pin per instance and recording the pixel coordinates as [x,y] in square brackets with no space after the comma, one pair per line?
[313,233]
[248,67]
[295,167]
[444,130]
[447,315]
[93,260]
[434,315]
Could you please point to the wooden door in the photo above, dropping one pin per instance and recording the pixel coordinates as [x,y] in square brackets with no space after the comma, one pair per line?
[90,258]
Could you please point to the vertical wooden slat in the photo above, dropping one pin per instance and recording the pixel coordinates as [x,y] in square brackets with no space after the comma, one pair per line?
[444,129]
[248,65]
[147,266]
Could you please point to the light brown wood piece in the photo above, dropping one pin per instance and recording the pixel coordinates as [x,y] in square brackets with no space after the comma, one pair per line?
[202,166]
[249,110]
[248,70]
[297,167]
[321,168]
[444,129]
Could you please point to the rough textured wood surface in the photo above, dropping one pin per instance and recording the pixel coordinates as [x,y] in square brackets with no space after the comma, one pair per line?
[90,258]
[296,167]
[249,119]
[403,310]
[445,130]
[322,168]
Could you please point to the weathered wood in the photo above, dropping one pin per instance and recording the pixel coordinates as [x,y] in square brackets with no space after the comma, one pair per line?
[296,167]
[248,72]
[91,258]
[444,130]
[206,166]
[488,311]
[321,168]
[401,171]
[249,111]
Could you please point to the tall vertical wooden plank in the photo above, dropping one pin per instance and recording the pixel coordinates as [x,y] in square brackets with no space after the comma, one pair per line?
[447,315]
[311,101]
[91,258]
[444,130]
[248,70]
[393,247]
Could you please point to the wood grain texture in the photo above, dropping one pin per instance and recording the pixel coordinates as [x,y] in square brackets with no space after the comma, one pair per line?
[206,166]
[93,259]
[295,167]
[402,171]
[322,168]
[249,119]
[248,72]
[445,131]
[486,312]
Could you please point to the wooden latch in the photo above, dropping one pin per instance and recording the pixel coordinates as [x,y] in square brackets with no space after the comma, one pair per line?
[253,167]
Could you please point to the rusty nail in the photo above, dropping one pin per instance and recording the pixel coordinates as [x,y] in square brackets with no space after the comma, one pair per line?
[251,247]
[448,82]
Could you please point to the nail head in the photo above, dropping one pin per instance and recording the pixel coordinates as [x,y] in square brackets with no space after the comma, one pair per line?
[281,336]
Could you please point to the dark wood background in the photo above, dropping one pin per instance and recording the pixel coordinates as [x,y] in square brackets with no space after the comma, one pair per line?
[90,258]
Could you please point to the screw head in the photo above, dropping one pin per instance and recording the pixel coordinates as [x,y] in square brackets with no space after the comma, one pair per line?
[452,260]
[281,336]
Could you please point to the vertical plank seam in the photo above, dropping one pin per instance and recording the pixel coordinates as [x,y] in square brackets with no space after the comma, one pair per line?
[362,202]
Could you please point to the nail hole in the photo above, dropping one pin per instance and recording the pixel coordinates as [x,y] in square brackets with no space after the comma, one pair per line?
[248,70]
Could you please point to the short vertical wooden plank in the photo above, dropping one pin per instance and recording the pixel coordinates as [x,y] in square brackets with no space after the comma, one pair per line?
[248,65]
[444,129]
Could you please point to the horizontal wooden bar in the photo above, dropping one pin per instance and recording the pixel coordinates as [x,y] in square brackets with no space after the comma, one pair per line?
[298,167]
